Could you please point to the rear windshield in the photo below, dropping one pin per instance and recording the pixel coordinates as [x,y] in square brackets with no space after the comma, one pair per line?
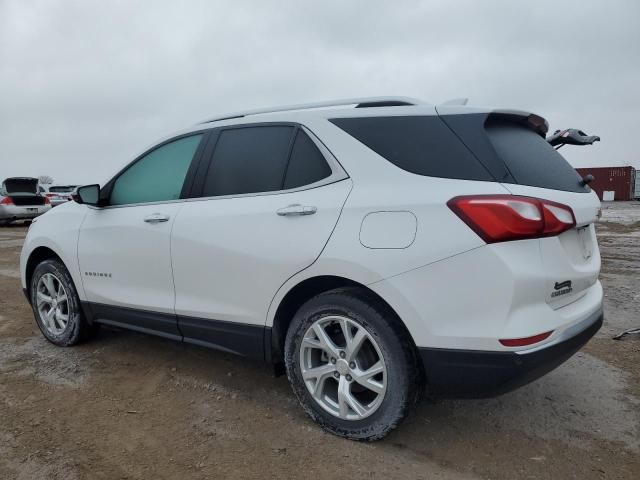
[61,189]
[530,159]
[423,145]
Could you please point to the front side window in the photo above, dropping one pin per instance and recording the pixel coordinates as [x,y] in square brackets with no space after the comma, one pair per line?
[158,176]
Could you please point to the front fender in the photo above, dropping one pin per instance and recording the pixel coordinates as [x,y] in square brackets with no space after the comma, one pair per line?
[57,231]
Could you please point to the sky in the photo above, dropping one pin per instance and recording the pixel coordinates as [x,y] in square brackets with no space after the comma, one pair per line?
[86,85]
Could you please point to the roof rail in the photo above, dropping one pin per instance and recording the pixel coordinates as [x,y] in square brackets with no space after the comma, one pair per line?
[358,102]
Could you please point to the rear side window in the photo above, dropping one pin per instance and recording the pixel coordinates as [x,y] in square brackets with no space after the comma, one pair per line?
[249,160]
[306,165]
[423,145]
[158,176]
[263,159]
[530,159]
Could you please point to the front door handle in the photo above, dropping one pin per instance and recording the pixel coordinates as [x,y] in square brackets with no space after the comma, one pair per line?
[296,210]
[156,218]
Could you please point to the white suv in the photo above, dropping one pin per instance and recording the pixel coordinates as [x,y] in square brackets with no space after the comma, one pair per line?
[371,248]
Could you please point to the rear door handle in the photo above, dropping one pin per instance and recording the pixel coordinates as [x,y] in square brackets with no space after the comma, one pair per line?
[156,218]
[296,210]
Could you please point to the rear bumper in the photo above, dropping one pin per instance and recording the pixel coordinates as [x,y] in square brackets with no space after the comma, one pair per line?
[476,374]
[18,212]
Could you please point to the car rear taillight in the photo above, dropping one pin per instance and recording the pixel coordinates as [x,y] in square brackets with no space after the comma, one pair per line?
[47,201]
[6,201]
[501,218]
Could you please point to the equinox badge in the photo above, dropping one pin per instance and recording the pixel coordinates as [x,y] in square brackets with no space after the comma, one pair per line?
[562,288]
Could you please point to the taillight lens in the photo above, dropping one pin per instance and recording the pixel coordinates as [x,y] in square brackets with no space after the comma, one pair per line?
[6,201]
[47,201]
[501,218]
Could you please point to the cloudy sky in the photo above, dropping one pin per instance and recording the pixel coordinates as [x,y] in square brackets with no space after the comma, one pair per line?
[86,85]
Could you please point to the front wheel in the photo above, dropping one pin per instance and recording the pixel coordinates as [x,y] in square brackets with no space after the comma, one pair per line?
[56,305]
[351,365]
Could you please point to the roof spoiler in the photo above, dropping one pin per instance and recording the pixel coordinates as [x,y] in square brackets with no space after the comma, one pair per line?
[530,120]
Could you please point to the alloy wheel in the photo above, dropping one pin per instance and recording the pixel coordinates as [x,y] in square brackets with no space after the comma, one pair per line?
[343,368]
[52,303]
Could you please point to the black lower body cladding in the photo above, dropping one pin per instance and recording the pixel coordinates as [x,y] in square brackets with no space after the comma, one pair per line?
[480,374]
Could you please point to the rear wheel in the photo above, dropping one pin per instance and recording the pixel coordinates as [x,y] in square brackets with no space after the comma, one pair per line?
[350,364]
[56,305]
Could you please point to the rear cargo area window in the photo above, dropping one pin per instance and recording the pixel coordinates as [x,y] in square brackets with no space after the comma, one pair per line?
[530,159]
[423,145]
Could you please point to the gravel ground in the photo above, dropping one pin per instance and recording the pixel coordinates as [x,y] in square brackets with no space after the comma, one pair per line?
[131,406]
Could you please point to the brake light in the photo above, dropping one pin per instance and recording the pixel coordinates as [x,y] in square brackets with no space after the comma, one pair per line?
[6,201]
[47,201]
[501,218]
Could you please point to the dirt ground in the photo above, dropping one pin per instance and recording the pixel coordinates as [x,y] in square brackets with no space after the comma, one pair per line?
[131,406]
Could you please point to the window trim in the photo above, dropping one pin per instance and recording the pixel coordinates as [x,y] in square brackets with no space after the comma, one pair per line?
[105,192]
[337,171]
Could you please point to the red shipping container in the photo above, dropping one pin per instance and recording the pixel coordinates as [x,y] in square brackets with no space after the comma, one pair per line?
[620,180]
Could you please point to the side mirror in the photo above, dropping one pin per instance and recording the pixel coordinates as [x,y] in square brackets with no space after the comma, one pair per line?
[87,195]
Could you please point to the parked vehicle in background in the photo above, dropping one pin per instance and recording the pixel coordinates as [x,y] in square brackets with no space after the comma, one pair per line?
[21,200]
[367,251]
[59,194]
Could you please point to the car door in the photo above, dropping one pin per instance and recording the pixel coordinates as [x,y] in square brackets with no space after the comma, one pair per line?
[124,246]
[269,198]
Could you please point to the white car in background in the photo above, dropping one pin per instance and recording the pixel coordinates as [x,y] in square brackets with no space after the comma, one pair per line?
[370,252]
[59,194]
[20,200]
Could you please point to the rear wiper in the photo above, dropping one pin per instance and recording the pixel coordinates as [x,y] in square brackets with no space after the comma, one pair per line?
[571,136]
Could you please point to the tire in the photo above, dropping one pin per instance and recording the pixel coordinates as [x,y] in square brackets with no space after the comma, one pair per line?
[387,348]
[67,325]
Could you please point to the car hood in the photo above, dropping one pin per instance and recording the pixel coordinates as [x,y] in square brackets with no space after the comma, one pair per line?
[23,185]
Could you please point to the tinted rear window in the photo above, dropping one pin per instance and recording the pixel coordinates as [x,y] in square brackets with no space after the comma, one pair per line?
[306,165]
[530,159]
[249,160]
[422,145]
